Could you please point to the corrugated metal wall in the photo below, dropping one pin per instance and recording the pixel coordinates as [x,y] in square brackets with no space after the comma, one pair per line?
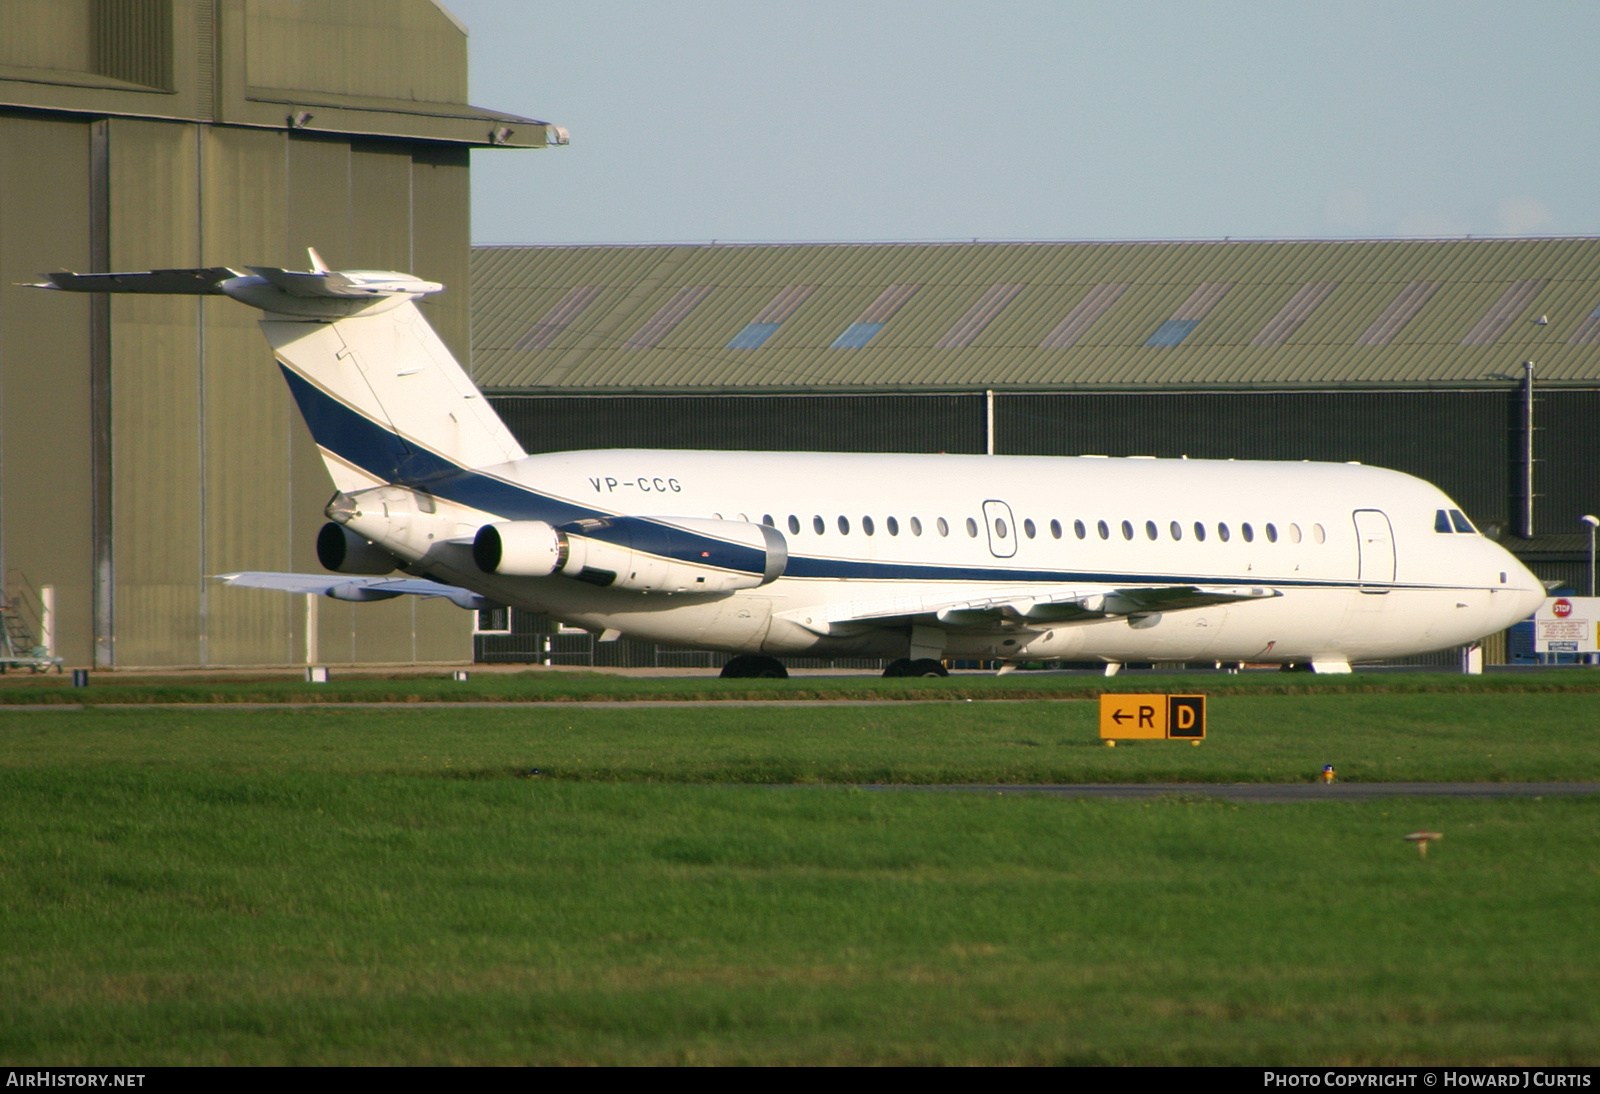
[772,423]
[46,493]
[211,469]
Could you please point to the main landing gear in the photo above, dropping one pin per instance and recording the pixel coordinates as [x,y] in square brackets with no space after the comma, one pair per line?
[753,666]
[922,666]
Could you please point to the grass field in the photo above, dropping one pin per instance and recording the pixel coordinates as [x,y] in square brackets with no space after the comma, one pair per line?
[573,686]
[1261,738]
[358,886]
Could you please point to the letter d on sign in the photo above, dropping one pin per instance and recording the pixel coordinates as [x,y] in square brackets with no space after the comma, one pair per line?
[1186,716]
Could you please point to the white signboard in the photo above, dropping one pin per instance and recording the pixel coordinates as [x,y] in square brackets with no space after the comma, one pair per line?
[1567,624]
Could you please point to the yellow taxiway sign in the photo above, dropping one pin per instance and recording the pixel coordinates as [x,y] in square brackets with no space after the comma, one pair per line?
[1152,717]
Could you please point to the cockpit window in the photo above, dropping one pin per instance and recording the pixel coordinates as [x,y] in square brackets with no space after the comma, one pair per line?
[1441,521]
[1459,519]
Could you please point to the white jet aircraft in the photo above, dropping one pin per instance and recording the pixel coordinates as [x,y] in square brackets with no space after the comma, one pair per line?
[911,557]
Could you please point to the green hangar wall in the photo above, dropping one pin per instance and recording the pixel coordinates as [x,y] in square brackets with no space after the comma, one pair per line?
[148,443]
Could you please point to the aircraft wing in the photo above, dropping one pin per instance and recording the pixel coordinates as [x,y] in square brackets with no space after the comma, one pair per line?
[1010,609]
[344,587]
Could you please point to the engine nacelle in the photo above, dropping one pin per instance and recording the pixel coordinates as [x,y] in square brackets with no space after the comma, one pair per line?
[644,554]
[520,548]
[342,551]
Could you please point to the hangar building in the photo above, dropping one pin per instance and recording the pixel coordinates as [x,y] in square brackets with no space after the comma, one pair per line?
[146,443]
[1405,354]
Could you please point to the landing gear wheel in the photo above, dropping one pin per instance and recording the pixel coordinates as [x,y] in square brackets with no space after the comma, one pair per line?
[753,666]
[927,666]
[900,666]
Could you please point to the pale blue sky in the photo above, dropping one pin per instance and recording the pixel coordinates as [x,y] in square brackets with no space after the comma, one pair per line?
[815,121]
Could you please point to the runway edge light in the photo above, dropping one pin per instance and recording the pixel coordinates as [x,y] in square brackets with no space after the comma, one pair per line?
[1137,717]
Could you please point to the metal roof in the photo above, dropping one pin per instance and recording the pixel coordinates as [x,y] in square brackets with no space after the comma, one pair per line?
[1035,316]
[382,68]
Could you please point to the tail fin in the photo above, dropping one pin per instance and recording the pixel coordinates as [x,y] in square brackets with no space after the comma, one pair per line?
[384,398]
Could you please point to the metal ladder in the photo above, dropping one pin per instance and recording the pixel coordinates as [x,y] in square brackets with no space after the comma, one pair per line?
[18,605]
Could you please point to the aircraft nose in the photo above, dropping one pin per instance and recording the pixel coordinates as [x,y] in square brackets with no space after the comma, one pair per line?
[1527,591]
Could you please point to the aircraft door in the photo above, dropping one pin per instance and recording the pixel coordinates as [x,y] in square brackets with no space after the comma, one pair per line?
[1375,544]
[1002,529]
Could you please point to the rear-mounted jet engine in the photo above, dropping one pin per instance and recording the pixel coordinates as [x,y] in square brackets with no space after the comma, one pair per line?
[644,554]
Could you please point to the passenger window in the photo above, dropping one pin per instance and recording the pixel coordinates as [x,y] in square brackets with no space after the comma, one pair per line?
[1079,530]
[1294,533]
[1027,528]
[893,526]
[1441,521]
[1461,521]
[766,518]
[794,525]
[1127,529]
[1000,528]
[1247,532]
[1199,531]
[866,525]
[1055,529]
[1222,531]
[1105,533]
[1272,533]
[844,526]
[972,528]
[1176,530]
[916,526]
[944,529]
[1150,532]
[1317,534]
[816,523]
[744,518]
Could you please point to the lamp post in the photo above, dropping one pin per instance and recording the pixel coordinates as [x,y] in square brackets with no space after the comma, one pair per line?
[1593,523]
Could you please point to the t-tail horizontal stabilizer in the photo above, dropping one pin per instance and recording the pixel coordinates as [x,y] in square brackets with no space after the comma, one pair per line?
[384,398]
[204,282]
[315,293]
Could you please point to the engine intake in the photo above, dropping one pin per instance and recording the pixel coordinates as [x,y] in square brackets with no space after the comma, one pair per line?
[342,551]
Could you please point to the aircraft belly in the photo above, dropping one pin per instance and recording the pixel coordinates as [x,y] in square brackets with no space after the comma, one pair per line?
[734,622]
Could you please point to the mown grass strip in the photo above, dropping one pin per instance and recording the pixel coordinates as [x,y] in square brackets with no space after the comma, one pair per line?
[1253,738]
[566,687]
